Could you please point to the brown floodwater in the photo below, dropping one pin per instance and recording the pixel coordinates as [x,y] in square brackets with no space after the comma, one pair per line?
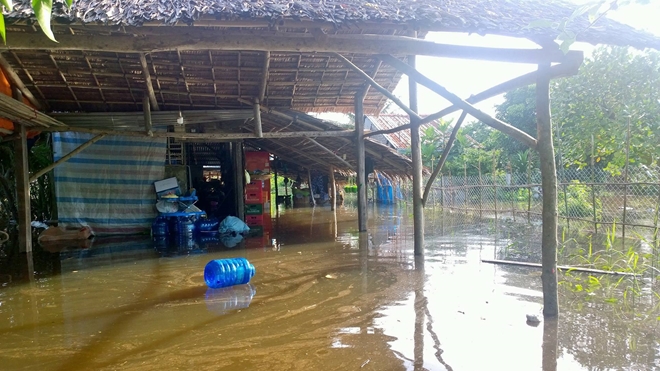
[324,298]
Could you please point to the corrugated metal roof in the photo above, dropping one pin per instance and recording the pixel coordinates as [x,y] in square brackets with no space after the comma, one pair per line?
[400,139]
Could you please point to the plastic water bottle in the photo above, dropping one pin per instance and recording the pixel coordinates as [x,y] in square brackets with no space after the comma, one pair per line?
[228,272]
[226,299]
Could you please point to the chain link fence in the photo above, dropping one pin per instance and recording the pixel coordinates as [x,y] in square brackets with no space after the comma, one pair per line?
[591,197]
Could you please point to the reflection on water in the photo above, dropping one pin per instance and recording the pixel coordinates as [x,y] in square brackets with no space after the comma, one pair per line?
[324,297]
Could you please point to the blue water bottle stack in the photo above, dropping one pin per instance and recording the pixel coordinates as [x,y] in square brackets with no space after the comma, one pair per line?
[228,272]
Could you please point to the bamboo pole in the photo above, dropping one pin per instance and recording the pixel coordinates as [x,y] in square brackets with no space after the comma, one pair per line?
[146,108]
[333,190]
[560,267]
[148,83]
[416,154]
[311,192]
[258,131]
[454,99]
[564,69]
[361,171]
[16,81]
[411,112]
[443,157]
[549,180]
[66,158]
[263,84]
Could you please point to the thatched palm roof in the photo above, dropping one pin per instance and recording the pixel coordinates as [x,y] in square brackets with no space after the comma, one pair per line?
[501,17]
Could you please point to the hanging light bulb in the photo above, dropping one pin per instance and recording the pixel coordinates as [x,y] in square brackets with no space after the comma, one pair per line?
[179,120]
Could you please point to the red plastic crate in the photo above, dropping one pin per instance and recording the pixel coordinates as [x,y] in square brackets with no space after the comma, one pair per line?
[254,197]
[255,185]
[257,162]
[254,220]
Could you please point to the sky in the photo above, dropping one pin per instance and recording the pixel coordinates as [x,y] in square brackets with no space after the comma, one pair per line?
[467,77]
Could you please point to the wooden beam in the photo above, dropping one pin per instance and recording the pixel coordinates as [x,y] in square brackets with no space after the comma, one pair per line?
[361,166]
[564,69]
[443,157]
[328,151]
[67,157]
[416,155]
[22,175]
[454,99]
[146,107]
[546,152]
[159,39]
[312,158]
[301,121]
[14,80]
[21,113]
[258,131]
[209,136]
[148,83]
[264,77]
[377,86]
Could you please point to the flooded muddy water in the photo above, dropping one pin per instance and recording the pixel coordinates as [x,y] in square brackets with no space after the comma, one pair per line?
[324,298]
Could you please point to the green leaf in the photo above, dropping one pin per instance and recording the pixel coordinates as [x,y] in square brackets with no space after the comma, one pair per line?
[42,10]
[69,3]
[3,32]
[7,4]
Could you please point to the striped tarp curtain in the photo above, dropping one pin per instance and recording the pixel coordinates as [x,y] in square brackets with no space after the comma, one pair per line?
[108,186]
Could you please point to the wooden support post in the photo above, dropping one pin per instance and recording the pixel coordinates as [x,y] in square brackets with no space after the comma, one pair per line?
[416,154]
[66,158]
[361,170]
[239,182]
[146,107]
[148,83]
[311,192]
[23,190]
[22,174]
[277,192]
[549,186]
[258,132]
[333,189]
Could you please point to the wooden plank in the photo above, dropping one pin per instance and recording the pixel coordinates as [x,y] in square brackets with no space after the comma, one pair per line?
[148,83]
[13,78]
[546,152]
[67,157]
[565,69]
[455,99]
[159,39]
[361,167]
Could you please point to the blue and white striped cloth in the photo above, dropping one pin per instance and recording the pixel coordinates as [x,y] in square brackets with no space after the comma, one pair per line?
[109,185]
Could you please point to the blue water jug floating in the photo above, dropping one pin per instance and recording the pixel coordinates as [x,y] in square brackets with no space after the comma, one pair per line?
[228,272]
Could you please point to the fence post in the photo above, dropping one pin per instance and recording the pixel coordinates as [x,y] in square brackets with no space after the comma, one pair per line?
[511,192]
[442,193]
[593,186]
[495,184]
[655,222]
[481,190]
[465,189]
[451,190]
[529,185]
[625,187]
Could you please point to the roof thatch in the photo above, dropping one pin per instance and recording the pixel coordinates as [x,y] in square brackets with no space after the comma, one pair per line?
[502,17]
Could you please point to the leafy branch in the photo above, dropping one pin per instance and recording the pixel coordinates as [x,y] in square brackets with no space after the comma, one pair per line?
[42,11]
